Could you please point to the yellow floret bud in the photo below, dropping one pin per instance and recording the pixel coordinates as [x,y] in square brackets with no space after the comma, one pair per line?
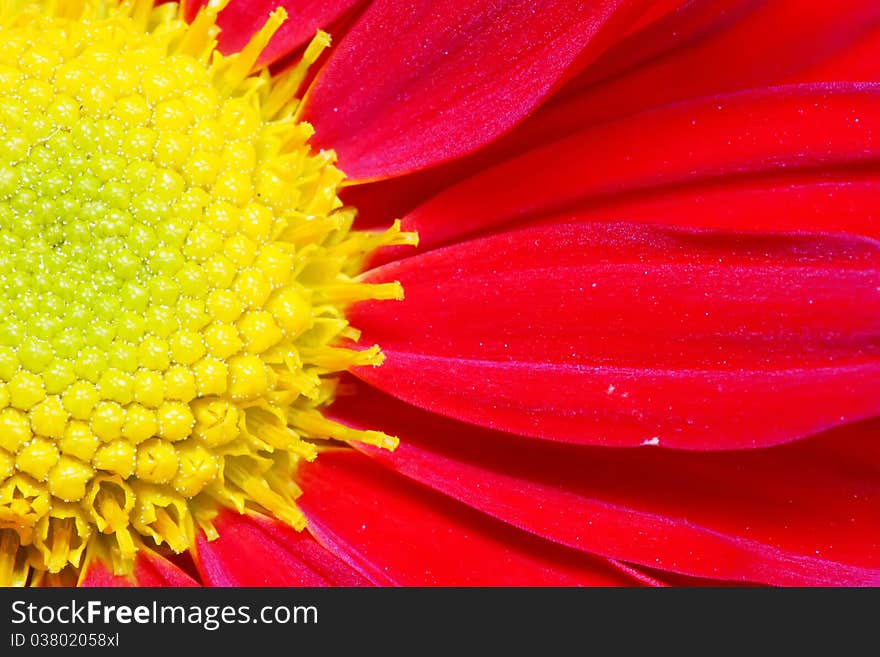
[7,465]
[217,421]
[197,468]
[117,457]
[186,347]
[49,418]
[79,441]
[211,376]
[223,340]
[175,420]
[80,399]
[258,331]
[291,311]
[107,420]
[247,377]
[37,458]
[15,429]
[180,383]
[25,390]
[68,479]
[149,388]
[156,461]
[140,423]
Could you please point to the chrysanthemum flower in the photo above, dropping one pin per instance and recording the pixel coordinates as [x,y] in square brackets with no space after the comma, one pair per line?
[635,340]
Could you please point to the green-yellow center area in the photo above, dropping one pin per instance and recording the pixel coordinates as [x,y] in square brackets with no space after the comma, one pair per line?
[174,269]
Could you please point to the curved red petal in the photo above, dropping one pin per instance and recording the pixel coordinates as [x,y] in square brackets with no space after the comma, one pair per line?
[421,82]
[688,55]
[685,54]
[243,18]
[253,550]
[150,570]
[825,202]
[656,11]
[620,334]
[402,534]
[396,197]
[687,25]
[800,514]
[859,61]
[96,574]
[816,127]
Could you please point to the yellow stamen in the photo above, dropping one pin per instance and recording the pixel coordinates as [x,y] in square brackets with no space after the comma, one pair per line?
[282,99]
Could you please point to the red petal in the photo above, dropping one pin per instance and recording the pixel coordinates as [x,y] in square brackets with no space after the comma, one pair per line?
[807,513]
[253,550]
[859,61]
[395,197]
[845,201]
[150,570]
[621,334]
[241,20]
[96,574]
[688,55]
[658,10]
[776,42]
[421,82]
[687,26]
[402,534]
[663,63]
[782,129]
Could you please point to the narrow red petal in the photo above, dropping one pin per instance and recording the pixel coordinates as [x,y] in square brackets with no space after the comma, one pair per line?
[150,570]
[859,61]
[800,514]
[831,202]
[153,570]
[96,574]
[620,334]
[688,25]
[421,82]
[243,18]
[815,127]
[688,55]
[253,550]
[402,534]
[396,197]
[656,11]
[685,54]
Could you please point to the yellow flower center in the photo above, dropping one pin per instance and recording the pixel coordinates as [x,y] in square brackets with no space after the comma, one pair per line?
[174,269]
